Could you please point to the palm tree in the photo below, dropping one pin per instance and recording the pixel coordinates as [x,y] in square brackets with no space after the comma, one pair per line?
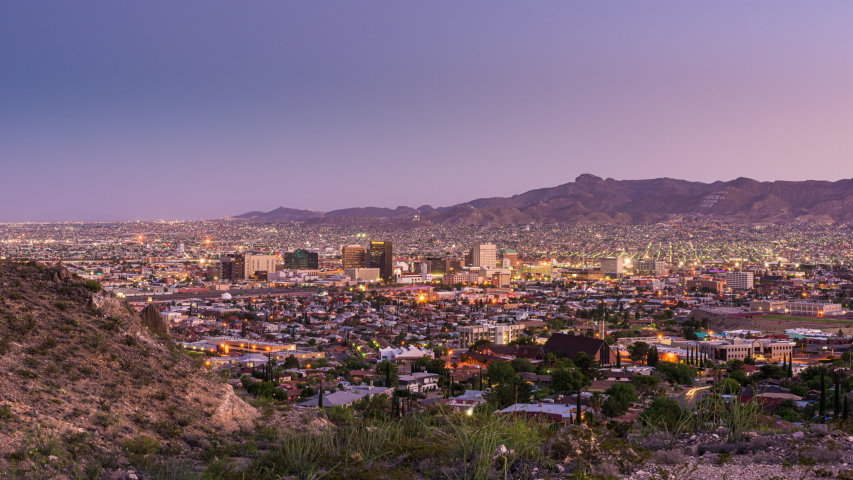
[596,401]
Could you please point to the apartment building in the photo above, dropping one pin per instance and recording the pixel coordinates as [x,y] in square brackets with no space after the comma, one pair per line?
[498,334]
[740,280]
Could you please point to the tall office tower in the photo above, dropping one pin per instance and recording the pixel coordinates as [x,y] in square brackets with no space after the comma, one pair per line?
[353,256]
[381,256]
[248,265]
[301,259]
[613,266]
[740,280]
[227,270]
[511,256]
[485,255]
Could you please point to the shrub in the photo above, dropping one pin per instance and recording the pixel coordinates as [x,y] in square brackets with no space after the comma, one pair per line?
[142,445]
[92,285]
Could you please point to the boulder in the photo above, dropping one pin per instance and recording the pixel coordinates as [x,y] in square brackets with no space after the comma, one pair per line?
[154,322]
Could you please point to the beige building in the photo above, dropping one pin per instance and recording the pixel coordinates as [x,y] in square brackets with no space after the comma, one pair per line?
[363,274]
[247,265]
[353,256]
[453,278]
[740,280]
[485,255]
[498,334]
[740,348]
[815,309]
[650,267]
[767,306]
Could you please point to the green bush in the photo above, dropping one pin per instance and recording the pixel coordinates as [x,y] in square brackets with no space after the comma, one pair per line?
[142,445]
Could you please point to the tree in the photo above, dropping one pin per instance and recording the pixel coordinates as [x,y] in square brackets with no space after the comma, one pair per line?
[637,351]
[652,357]
[522,365]
[509,393]
[481,345]
[596,401]
[663,413]
[587,365]
[389,371]
[646,385]
[730,386]
[568,379]
[501,372]
[619,397]
[523,340]
[291,362]
[677,373]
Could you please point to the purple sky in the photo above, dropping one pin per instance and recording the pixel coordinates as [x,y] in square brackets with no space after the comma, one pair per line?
[114,110]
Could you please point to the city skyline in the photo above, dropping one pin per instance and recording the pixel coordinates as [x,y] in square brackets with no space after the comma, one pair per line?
[130,112]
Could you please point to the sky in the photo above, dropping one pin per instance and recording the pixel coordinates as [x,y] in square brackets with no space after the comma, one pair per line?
[113,111]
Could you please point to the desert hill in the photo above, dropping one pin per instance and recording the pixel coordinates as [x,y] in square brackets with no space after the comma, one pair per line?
[87,381]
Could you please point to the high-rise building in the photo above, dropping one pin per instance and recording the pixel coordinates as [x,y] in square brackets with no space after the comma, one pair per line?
[381,256]
[249,265]
[227,268]
[739,280]
[353,256]
[301,259]
[510,256]
[485,255]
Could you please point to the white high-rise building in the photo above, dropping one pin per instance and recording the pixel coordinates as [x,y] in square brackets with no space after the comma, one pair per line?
[485,255]
[739,280]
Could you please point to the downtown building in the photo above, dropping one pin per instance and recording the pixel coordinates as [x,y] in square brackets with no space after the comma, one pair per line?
[651,267]
[244,266]
[740,280]
[381,255]
[485,255]
[353,256]
[497,333]
[301,259]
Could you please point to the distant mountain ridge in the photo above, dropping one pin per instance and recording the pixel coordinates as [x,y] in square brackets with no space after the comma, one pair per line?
[591,199]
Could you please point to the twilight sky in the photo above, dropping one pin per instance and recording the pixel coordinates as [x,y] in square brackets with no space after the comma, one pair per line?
[201,109]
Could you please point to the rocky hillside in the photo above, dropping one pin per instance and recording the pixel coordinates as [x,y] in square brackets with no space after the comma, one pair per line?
[591,199]
[87,382]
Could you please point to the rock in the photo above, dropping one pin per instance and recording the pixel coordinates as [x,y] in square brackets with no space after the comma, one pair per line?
[850,439]
[560,468]
[233,413]
[132,476]
[798,435]
[154,322]
[501,450]
[751,434]
[820,428]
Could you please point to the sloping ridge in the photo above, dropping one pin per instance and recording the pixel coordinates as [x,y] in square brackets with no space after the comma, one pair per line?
[80,363]
[591,199]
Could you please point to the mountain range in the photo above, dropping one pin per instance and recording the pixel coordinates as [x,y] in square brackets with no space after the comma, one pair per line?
[591,199]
